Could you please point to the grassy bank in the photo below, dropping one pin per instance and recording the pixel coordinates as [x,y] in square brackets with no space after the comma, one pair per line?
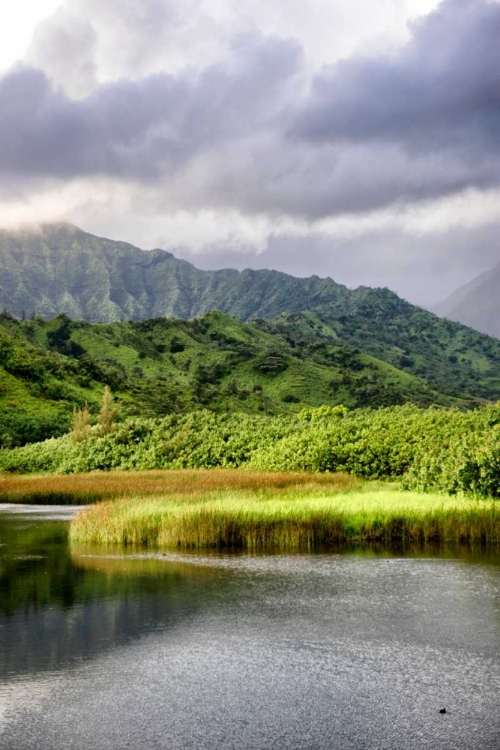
[289,518]
[245,509]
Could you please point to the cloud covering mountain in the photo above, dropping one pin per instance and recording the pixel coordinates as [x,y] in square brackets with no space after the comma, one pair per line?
[222,135]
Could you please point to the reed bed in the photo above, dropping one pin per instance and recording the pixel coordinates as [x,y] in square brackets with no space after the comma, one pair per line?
[292,518]
[82,489]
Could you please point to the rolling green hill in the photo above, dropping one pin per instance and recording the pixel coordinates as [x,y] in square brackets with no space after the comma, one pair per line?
[160,366]
[451,358]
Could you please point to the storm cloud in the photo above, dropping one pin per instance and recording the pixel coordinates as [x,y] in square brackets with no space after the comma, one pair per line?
[243,124]
[439,93]
[142,129]
[247,133]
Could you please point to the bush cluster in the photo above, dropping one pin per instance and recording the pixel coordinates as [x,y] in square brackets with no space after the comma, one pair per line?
[429,450]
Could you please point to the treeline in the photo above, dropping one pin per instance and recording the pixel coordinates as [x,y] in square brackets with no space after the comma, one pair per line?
[428,450]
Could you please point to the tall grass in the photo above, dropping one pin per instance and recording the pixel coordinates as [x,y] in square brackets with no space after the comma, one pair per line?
[82,489]
[292,518]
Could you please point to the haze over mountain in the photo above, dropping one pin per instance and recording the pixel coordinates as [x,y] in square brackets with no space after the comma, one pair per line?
[61,269]
[476,304]
[357,141]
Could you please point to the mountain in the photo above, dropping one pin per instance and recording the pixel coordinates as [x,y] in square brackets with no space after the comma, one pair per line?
[63,269]
[160,366]
[476,304]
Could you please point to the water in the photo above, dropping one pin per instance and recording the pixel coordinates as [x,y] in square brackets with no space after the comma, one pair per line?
[354,650]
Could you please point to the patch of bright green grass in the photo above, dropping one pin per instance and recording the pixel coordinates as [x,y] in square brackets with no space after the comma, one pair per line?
[293,519]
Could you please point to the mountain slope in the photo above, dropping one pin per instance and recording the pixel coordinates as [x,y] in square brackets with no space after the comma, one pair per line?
[162,366]
[476,304]
[62,269]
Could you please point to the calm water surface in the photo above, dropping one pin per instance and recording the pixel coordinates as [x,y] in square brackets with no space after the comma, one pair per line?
[355,650]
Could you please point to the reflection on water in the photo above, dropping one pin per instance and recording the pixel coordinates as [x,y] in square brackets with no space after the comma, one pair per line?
[56,608]
[346,649]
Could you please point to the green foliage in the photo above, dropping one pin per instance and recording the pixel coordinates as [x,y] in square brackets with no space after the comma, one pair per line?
[160,367]
[59,337]
[176,346]
[323,412]
[272,363]
[449,357]
[18,426]
[429,450]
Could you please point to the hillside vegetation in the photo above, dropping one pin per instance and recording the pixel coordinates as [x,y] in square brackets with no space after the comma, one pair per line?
[59,268]
[159,367]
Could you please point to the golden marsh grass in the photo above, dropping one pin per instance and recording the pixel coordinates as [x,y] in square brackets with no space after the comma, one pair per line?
[81,489]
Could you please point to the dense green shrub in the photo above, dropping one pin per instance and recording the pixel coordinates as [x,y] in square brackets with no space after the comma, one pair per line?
[18,426]
[431,449]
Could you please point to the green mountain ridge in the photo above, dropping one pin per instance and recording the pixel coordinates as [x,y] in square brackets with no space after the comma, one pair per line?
[476,304]
[63,269]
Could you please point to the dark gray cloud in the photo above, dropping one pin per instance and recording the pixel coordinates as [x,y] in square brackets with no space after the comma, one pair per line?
[247,134]
[143,129]
[438,93]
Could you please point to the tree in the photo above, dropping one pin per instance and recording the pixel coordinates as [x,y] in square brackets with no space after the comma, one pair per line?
[108,414]
[80,424]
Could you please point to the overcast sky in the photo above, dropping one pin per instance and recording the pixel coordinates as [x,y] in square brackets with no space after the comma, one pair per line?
[345,138]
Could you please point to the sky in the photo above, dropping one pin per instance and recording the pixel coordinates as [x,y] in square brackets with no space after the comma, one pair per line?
[349,139]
